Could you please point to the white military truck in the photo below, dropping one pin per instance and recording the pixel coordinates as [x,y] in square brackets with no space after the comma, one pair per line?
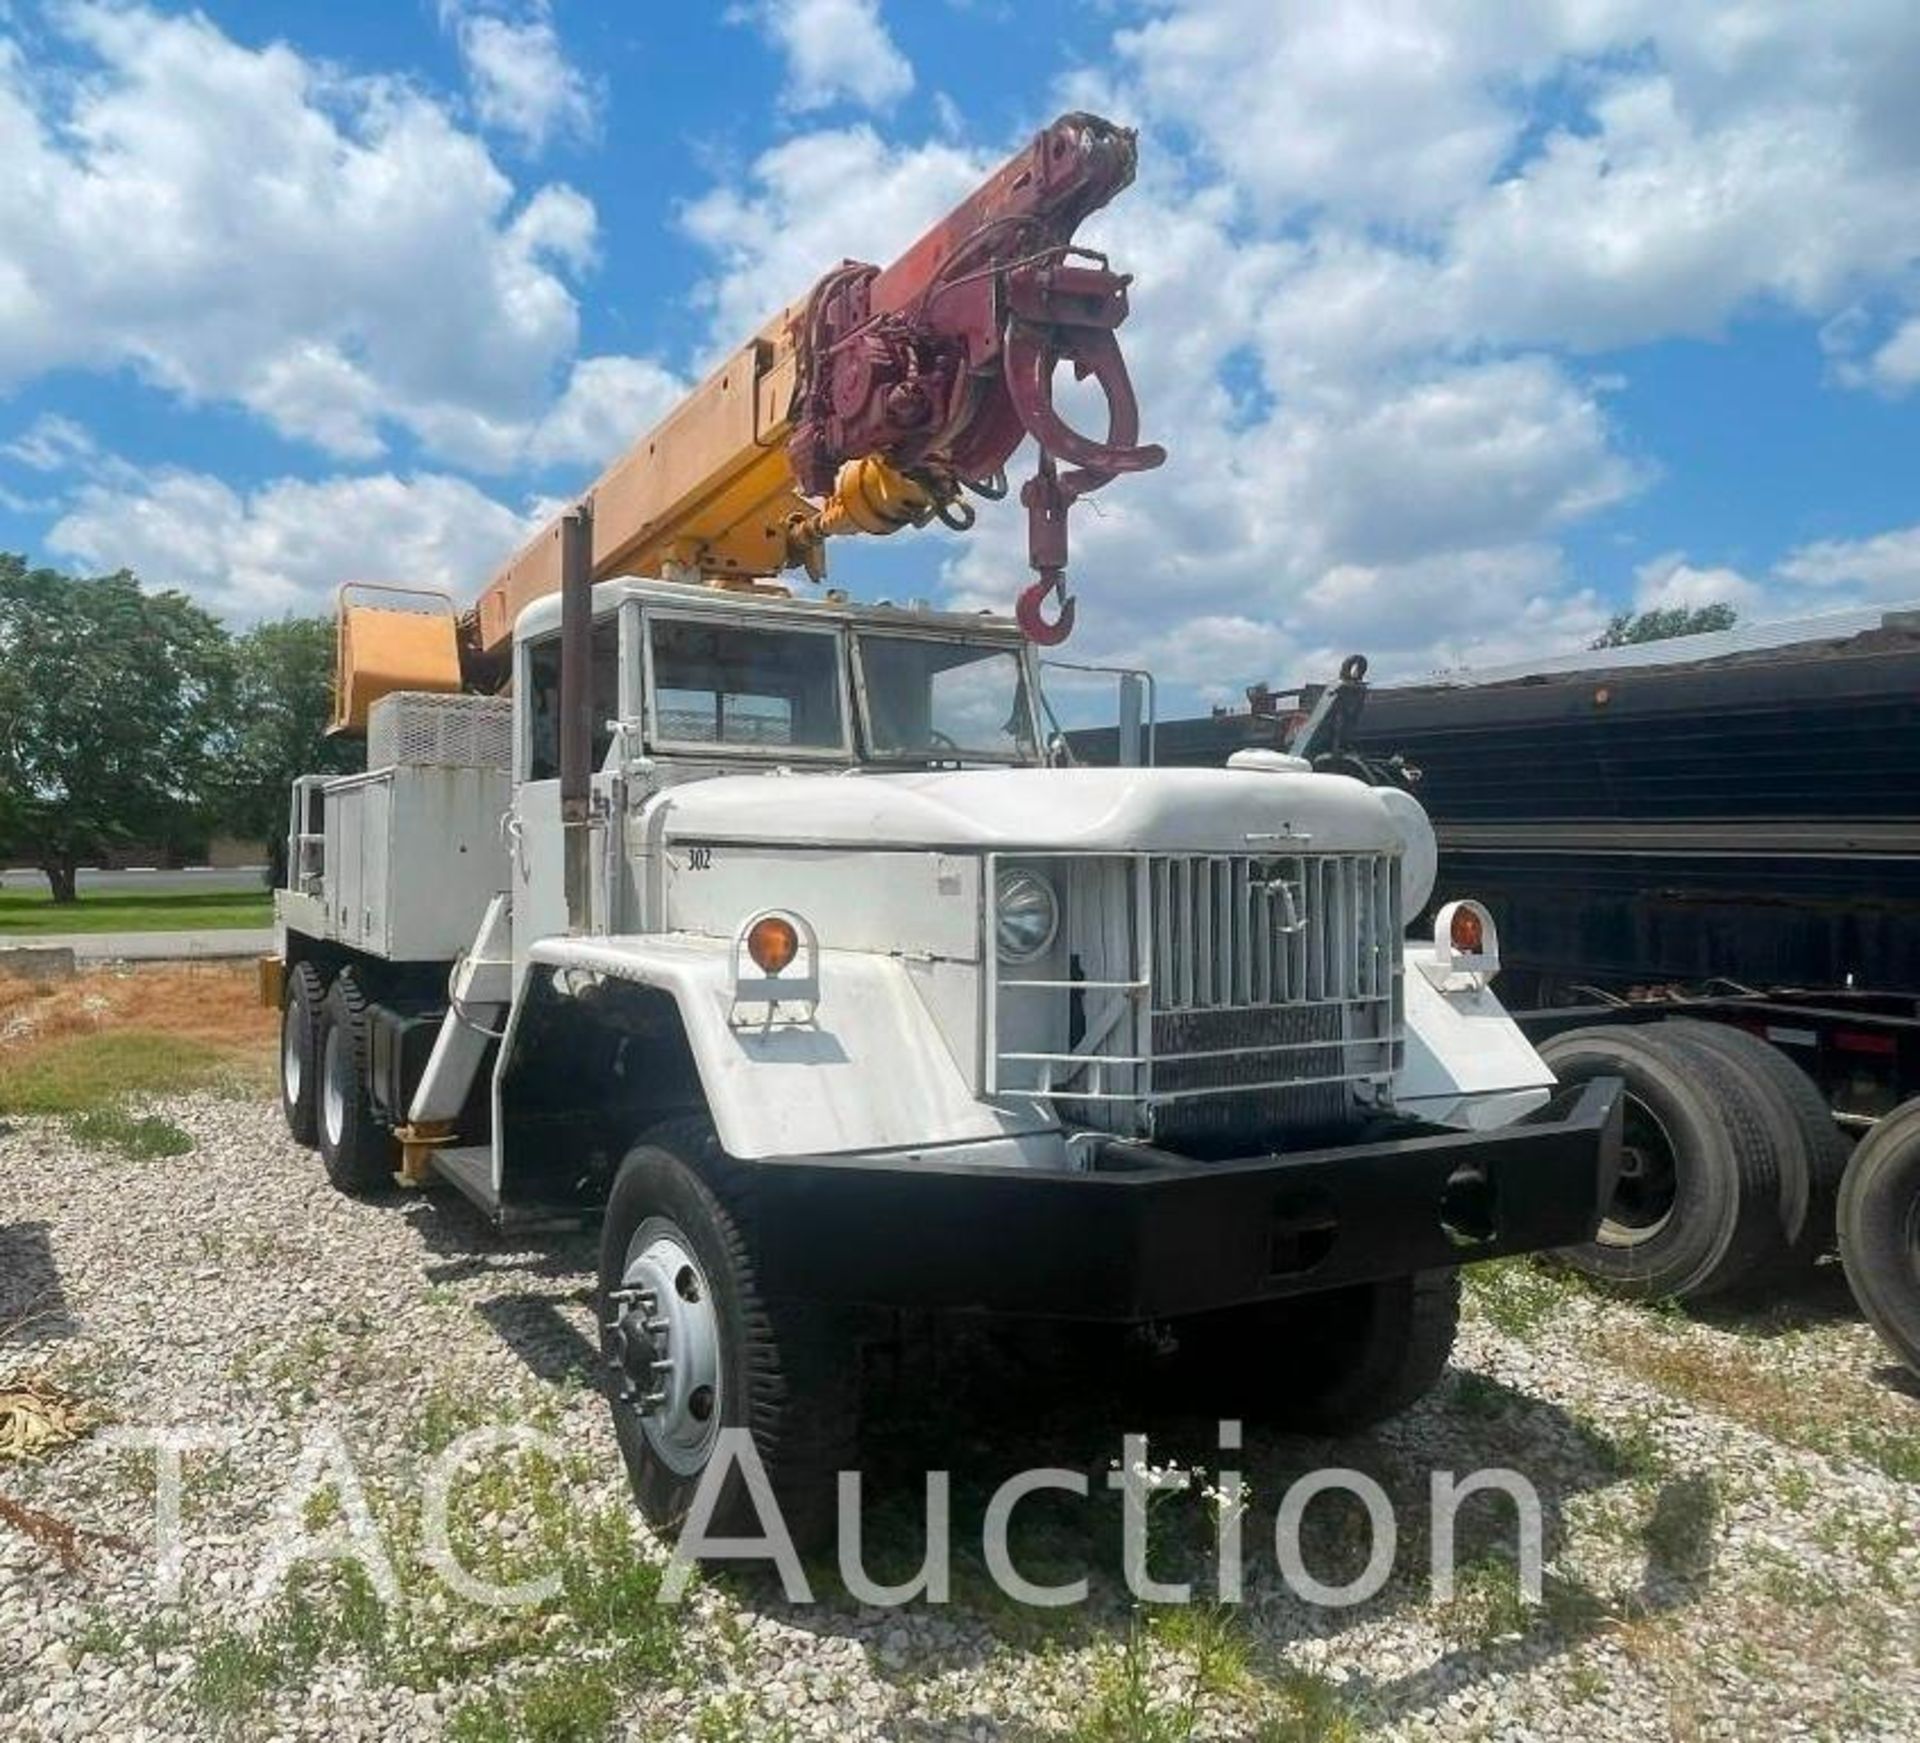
[777,935]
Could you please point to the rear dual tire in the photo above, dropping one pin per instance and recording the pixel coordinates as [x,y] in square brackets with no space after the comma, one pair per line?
[1810,1150]
[1698,1208]
[300,1053]
[1880,1229]
[356,1147]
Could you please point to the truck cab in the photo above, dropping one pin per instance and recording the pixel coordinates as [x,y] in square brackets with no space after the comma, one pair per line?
[841,989]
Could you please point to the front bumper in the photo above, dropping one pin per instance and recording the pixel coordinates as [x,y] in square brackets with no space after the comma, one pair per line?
[1149,1235]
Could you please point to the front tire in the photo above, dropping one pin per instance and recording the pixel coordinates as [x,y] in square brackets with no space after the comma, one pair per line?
[1880,1229]
[693,1347]
[355,1145]
[300,1053]
[1333,1363]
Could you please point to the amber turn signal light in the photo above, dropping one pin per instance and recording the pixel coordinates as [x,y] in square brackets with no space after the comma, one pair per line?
[772,943]
[1466,931]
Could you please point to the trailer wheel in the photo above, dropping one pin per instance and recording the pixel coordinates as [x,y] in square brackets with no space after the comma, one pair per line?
[1696,1207]
[299,1052]
[692,1348]
[358,1150]
[1880,1229]
[1331,1363]
[1813,1154]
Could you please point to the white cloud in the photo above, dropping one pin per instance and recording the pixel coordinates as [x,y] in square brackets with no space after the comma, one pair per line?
[836,50]
[812,201]
[1669,582]
[1824,575]
[1373,244]
[50,443]
[1378,109]
[245,225]
[522,83]
[1895,366]
[607,403]
[1583,173]
[287,546]
[1885,566]
[1355,312]
[1660,224]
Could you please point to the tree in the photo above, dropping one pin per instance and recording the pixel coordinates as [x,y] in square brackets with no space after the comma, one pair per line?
[108,700]
[1628,628]
[282,698]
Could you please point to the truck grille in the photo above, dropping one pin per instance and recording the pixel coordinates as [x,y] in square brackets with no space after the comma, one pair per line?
[1213,1001]
[1240,930]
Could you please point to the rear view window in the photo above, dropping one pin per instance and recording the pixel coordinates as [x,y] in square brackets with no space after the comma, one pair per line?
[724,684]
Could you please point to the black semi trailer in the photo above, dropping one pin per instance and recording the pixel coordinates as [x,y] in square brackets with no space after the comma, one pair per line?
[1704,860]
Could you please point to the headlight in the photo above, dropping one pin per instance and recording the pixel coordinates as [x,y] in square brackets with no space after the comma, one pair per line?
[1028,915]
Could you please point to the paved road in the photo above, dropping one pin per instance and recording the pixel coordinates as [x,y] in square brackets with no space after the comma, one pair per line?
[215,942]
[204,879]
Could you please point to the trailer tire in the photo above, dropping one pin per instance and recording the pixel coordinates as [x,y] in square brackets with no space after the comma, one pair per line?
[783,1371]
[1813,1154]
[357,1149]
[1340,1361]
[1880,1229]
[1697,1207]
[300,1053]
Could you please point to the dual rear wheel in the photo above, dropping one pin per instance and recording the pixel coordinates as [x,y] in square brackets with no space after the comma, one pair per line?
[1880,1229]
[324,1079]
[1730,1160]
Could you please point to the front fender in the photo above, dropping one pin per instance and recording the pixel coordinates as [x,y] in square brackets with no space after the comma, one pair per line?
[868,1072]
[1467,1063]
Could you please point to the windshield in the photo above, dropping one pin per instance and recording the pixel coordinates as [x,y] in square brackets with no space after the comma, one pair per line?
[725,684]
[945,700]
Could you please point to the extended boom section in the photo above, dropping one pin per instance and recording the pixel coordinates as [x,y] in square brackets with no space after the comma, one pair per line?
[885,396]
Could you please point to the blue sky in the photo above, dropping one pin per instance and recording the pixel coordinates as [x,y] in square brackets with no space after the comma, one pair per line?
[1464,325]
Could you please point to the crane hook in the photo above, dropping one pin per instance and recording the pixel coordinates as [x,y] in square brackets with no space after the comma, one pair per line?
[1030,611]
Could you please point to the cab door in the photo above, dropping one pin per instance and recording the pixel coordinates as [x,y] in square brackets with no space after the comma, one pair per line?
[533,826]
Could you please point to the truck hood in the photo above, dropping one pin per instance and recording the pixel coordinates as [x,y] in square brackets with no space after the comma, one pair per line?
[1147,810]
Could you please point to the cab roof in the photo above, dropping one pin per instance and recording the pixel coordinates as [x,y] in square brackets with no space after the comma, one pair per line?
[542,617]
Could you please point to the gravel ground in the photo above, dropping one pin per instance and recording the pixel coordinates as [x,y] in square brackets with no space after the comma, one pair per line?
[1731,1508]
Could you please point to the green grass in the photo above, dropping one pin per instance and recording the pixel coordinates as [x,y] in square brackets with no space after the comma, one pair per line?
[560,1670]
[236,1673]
[144,1139]
[1129,1700]
[1515,1296]
[85,1074]
[1312,1709]
[25,913]
[1683,1531]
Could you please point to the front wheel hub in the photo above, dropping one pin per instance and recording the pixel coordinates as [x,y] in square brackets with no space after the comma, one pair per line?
[662,1346]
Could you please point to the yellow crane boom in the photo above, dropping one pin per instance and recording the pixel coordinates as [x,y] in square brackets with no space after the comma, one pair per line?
[877,401]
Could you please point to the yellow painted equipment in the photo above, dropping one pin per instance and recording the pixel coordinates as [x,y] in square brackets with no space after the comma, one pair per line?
[383,648]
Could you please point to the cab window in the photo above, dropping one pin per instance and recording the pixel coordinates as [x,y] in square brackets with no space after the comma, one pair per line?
[543,699]
[720,684]
[945,701]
